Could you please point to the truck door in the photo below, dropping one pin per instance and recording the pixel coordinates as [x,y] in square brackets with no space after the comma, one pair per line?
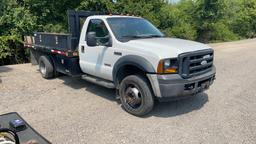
[91,58]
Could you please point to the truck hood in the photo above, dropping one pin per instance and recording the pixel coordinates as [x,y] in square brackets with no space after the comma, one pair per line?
[165,47]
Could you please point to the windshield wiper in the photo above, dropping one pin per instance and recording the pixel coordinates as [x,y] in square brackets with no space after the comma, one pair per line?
[154,36]
[132,36]
[141,36]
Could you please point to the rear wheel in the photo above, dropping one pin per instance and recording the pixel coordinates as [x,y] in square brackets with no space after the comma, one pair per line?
[136,95]
[46,68]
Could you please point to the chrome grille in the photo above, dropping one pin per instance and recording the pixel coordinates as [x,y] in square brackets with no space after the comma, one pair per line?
[196,63]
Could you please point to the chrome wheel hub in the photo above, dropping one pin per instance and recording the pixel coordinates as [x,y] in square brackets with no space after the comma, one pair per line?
[133,96]
[42,68]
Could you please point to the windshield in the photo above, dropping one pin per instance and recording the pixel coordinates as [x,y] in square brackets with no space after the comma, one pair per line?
[132,28]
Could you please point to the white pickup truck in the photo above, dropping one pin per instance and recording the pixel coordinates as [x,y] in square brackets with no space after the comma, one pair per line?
[128,54]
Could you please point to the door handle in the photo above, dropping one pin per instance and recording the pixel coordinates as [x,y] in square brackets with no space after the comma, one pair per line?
[82,49]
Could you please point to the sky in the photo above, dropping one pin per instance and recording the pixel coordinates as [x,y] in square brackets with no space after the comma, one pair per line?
[174,1]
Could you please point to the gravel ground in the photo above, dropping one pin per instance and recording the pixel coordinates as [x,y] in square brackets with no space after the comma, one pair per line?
[70,110]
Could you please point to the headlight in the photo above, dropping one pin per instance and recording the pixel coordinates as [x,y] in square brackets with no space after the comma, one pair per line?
[168,66]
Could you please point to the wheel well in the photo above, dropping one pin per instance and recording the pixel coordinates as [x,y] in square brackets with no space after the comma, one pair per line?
[48,57]
[127,70]
[38,54]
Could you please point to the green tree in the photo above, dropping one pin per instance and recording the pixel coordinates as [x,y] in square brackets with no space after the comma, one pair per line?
[148,9]
[51,15]
[211,16]
[176,20]
[104,6]
[15,22]
[244,22]
[202,20]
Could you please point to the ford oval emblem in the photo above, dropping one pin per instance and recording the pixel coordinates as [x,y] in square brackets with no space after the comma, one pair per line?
[204,62]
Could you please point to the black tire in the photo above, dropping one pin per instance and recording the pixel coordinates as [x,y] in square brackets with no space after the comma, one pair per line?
[46,67]
[134,102]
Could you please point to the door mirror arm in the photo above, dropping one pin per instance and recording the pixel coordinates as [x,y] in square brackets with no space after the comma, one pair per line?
[109,43]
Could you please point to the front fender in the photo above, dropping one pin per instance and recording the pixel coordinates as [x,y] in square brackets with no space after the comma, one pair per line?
[133,60]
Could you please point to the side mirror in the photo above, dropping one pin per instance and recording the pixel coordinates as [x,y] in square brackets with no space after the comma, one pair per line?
[91,39]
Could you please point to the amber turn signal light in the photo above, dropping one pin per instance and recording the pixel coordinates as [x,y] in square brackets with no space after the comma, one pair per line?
[164,68]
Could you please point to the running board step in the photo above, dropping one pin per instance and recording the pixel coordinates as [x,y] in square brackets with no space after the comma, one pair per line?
[98,81]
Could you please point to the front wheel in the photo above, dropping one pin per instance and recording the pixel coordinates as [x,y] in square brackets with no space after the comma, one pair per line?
[136,95]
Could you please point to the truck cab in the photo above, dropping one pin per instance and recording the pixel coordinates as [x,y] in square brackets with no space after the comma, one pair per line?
[131,55]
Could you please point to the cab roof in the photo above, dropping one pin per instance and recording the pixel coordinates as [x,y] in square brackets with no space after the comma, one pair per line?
[112,16]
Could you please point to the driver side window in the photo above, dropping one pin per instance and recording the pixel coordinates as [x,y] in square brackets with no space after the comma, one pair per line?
[99,27]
